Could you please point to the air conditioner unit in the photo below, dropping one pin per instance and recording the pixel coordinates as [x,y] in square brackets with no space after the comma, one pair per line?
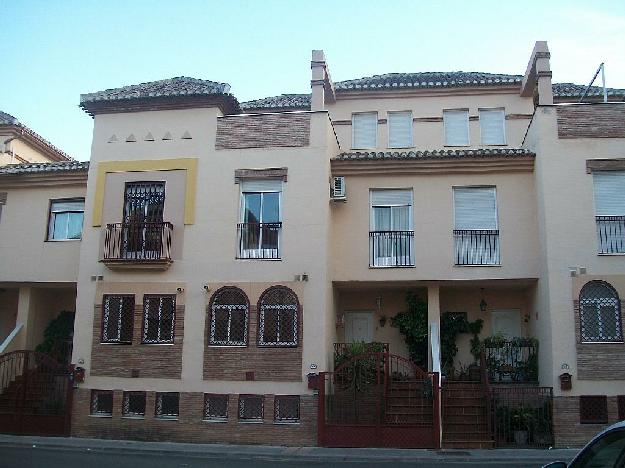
[337,191]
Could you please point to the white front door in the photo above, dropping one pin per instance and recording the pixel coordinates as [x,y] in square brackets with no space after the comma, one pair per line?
[506,322]
[359,327]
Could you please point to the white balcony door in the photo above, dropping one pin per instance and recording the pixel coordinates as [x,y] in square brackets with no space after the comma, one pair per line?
[359,327]
[260,218]
[391,219]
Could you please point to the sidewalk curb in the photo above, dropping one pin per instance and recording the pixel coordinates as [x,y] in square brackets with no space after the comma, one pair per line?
[288,453]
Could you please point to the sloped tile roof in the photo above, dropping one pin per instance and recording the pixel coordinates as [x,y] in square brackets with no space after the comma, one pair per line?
[8,120]
[434,154]
[564,90]
[454,79]
[178,86]
[43,168]
[284,101]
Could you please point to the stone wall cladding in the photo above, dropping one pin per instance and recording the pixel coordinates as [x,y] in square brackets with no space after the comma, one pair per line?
[190,427]
[567,429]
[591,121]
[277,364]
[599,361]
[150,360]
[263,131]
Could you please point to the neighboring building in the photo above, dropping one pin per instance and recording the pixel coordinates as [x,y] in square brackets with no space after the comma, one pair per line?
[19,144]
[231,250]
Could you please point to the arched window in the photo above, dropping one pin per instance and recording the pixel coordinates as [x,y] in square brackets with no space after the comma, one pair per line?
[599,313]
[229,316]
[278,317]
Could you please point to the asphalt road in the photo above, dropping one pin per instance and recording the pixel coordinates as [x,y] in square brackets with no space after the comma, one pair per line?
[29,457]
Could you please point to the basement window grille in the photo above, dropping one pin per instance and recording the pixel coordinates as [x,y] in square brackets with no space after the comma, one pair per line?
[215,407]
[229,317]
[251,407]
[593,409]
[159,314]
[278,325]
[286,408]
[102,402]
[134,404]
[167,405]
[117,318]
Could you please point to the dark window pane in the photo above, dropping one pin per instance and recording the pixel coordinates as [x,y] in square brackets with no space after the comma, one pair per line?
[287,326]
[102,402]
[237,326]
[167,404]
[271,207]
[216,406]
[251,209]
[286,408]
[220,333]
[134,404]
[270,326]
[251,407]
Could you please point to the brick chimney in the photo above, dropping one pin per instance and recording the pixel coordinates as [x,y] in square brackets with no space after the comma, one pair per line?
[538,75]
[322,87]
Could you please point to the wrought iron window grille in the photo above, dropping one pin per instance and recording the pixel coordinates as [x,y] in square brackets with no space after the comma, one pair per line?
[167,405]
[593,409]
[215,407]
[600,313]
[117,318]
[133,404]
[251,408]
[159,313]
[287,408]
[101,402]
[229,318]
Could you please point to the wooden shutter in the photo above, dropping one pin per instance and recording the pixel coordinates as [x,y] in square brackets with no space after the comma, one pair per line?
[391,197]
[609,188]
[456,124]
[492,126]
[475,208]
[400,129]
[262,185]
[364,130]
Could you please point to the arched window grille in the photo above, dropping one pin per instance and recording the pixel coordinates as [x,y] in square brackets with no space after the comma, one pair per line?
[600,313]
[278,317]
[229,317]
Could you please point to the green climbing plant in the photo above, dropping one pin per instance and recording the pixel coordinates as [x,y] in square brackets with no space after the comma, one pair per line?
[413,324]
[59,331]
[453,324]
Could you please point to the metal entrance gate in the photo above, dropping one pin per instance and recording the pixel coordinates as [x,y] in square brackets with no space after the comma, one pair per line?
[379,400]
[35,394]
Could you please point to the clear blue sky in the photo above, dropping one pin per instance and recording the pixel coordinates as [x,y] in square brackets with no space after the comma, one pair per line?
[51,51]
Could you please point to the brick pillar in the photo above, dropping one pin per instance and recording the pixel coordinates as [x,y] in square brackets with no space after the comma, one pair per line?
[434,317]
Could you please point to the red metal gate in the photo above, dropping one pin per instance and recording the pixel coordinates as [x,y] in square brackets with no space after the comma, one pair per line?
[35,394]
[379,400]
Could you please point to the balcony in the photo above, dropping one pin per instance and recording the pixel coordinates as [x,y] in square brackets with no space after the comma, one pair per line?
[511,361]
[259,241]
[611,234]
[391,248]
[475,247]
[138,245]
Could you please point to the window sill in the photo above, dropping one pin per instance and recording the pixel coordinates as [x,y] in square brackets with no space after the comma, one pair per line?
[63,240]
[457,146]
[495,145]
[133,417]
[602,342]
[214,421]
[411,147]
[114,343]
[251,421]
[166,418]
[383,267]
[489,265]
[261,259]
[157,344]
[226,346]
[286,423]
[109,416]
[614,254]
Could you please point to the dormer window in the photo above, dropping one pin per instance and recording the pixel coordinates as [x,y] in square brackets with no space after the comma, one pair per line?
[456,123]
[399,129]
[493,126]
[364,130]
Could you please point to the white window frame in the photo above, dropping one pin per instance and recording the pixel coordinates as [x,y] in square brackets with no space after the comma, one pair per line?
[611,236]
[260,253]
[468,120]
[387,262]
[52,213]
[388,129]
[358,147]
[503,125]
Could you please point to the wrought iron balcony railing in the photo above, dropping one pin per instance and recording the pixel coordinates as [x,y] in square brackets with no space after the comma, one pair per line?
[391,248]
[611,234]
[476,247]
[259,240]
[138,242]
[513,361]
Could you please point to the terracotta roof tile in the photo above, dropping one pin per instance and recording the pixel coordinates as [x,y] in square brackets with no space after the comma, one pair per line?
[434,154]
[42,168]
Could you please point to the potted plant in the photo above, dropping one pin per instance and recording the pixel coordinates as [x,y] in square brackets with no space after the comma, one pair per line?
[521,419]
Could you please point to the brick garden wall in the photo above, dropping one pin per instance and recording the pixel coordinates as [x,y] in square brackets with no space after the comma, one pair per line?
[190,427]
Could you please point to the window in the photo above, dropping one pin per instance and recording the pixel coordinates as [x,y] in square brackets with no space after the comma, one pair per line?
[159,313]
[365,130]
[593,409]
[215,407]
[134,404]
[102,402]
[620,405]
[260,220]
[229,317]
[251,407]
[286,408]
[609,188]
[400,129]
[456,123]
[3,201]
[167,405]
[277,324]
[66,218]
[493,126]
[599,313]
[117,318]
[476,233]
[391,235]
